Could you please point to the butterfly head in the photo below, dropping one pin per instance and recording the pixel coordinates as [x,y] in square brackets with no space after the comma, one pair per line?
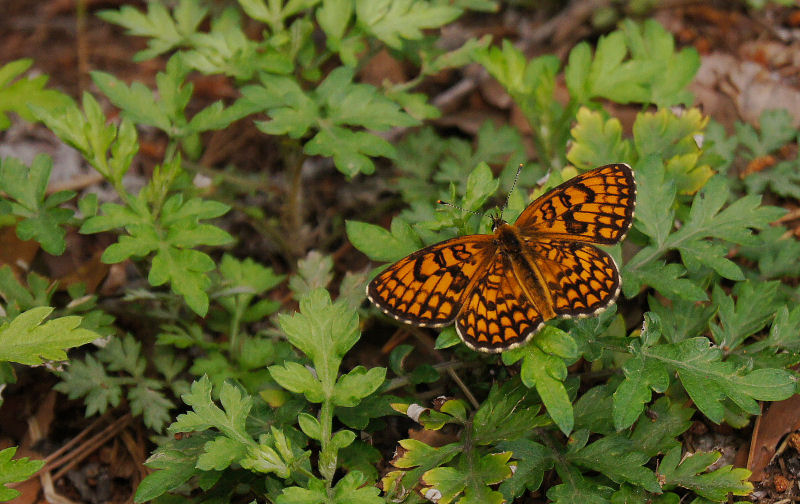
[497,220]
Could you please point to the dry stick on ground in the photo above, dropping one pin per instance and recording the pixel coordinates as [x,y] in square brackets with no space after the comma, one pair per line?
[72,458]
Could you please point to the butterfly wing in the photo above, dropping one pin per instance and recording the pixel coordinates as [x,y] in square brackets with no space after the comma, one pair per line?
[427,288]
[582,279]
[497,314]
[595,207]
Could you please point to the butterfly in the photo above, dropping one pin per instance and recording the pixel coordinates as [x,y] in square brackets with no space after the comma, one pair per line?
[500,288]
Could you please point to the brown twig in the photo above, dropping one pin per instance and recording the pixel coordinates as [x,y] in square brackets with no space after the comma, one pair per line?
[72,458]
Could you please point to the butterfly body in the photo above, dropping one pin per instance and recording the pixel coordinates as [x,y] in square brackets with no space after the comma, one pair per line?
[500,288]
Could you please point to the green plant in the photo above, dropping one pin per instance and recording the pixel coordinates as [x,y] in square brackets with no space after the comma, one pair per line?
[706,326]
[323,331]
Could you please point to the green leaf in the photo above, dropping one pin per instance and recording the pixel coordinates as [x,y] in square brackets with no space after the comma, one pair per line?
[665,278]
[332,108]
[164,32]
[137,100]
[650,44]
[708,380]
[175,463]
[350,150]
[776,130]
[324,331]
[357,384]
[88,378]
[22,95]
[42,218]
[546,373]
[597,141]
[783,333]
[333,17]
[310,426]
[378,243]
[533,460]
[361,457]
[689,473]
[734,223]
[654,200]
[15,470]
[27,339]
[352,488]
[313,272]
[610,77]
[659,432]
[392,21]
[174,262]
[480,186]
[617,458]
[634,392]
[152,405]
[699,252]
[754,307]
[298,379]
[447,483]
[228,420]
[783,179]
[275,454]
[775,253]
[576,488]
[504,416]
[682,319]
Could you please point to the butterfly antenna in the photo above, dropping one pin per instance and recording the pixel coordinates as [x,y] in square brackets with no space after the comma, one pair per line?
[442,202]
[508,196]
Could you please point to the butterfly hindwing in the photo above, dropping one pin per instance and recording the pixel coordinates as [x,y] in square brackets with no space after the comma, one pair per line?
[581,278]
[595,207]
[497,315]
[427,287]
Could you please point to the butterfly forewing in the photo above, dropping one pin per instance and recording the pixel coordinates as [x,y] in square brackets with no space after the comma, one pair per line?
[596,207]
[427,288]
[497,315]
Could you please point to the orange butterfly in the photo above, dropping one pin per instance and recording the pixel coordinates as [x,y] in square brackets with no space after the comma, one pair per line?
[500,288]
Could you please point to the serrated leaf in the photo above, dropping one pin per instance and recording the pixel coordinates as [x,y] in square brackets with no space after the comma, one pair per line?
[22,95]
[617,458]
[88,378]
[658,432]
[175,461]
[298,379]
[313,272]
[378,243]
[356,385]
[708,380]
[392,21]
[576,488]
[546,373]
[689,473]
[776,129]
[655,197]
[15,470]
[28,339]
[42,218]
[597,141]
[164,32]
[667,279]
[752,311]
